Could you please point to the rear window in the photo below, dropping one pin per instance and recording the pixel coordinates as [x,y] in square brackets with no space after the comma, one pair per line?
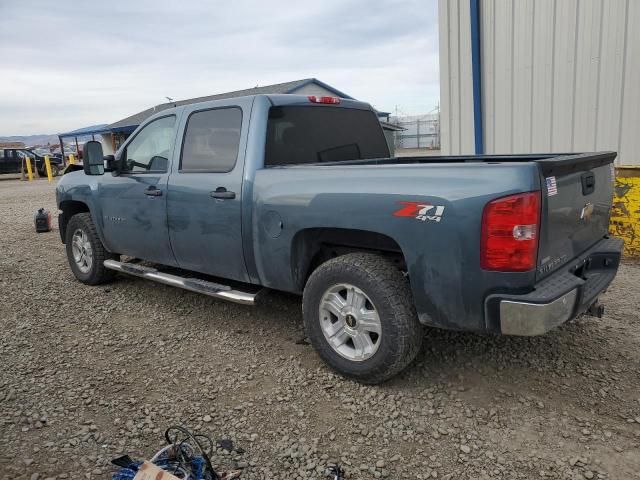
[299,134]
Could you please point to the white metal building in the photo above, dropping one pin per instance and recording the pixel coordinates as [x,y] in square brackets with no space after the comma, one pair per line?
[522,76]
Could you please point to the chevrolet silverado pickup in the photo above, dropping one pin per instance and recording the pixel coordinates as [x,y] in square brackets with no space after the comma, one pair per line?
[232,197]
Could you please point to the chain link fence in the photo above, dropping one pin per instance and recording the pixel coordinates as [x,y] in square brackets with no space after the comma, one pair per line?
[420,131]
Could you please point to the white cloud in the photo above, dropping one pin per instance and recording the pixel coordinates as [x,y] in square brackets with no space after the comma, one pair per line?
[82,63]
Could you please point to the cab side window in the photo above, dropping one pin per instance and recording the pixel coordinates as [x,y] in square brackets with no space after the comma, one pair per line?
[149,151]
[211,140]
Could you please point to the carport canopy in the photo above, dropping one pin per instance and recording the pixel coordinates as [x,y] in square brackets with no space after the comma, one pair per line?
[93,130]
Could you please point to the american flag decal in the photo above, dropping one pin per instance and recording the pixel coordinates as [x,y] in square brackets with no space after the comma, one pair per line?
[552,187]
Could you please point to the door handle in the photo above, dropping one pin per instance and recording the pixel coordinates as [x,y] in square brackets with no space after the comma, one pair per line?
[222,193]
[153,192]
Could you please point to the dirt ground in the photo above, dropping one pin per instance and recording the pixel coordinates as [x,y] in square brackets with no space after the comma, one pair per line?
[90,373]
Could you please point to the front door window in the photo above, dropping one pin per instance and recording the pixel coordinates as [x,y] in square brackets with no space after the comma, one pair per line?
[150,149]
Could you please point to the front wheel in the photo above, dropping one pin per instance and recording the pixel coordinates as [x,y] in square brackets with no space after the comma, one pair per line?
[359,316]
[85,252]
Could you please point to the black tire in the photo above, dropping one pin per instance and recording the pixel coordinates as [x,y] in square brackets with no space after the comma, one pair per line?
[55,170]
[97,273]
[389,291]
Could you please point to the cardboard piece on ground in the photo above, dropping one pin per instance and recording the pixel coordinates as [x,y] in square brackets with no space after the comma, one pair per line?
[149,471]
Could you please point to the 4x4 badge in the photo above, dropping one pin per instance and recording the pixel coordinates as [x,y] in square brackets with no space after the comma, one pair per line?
[420,211]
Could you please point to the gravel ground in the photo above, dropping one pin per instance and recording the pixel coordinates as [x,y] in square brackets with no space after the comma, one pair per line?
[90,373]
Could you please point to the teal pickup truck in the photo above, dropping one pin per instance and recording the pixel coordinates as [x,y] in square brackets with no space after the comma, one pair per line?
[232,197]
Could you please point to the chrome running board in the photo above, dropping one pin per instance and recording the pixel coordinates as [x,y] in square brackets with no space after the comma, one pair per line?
[205,287]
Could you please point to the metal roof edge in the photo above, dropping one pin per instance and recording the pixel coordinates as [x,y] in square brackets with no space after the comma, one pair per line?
[323,85]
[93,130]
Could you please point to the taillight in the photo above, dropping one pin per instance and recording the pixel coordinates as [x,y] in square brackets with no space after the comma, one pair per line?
[509,240]
[331,100]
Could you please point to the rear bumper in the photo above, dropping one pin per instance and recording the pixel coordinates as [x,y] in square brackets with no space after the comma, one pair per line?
[560,297]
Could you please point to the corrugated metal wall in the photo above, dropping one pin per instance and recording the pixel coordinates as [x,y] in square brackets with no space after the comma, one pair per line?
[456,98]
[557,75]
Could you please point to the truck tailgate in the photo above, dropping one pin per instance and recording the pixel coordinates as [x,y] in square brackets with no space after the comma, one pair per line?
[577,195]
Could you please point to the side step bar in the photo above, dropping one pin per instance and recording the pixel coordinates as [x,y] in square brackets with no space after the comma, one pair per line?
[211,289]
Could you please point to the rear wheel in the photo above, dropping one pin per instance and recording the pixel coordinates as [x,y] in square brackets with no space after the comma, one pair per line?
[85,251]
[55,170]
[360,318]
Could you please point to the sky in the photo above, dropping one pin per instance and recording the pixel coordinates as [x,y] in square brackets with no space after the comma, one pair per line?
[69,64]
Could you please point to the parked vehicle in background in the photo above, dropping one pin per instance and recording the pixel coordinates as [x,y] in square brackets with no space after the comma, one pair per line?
[12,160]
[298,194]
[69,150]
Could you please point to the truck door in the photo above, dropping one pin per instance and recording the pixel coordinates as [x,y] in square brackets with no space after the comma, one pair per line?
[204,201]
[134,203]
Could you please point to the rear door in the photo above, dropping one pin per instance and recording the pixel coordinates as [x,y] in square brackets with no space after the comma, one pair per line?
[577,193]
[205,191]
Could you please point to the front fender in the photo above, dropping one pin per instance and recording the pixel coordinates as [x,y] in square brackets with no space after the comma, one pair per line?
[77,188]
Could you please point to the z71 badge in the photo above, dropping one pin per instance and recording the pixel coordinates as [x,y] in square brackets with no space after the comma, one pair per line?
[420,211]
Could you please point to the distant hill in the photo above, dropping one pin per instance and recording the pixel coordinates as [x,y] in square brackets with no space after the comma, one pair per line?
[31,140]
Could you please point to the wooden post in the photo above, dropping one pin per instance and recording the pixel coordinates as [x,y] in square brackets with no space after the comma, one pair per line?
[64,160]
[35,167]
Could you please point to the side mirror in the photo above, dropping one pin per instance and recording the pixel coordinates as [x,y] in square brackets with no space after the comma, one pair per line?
[93,161]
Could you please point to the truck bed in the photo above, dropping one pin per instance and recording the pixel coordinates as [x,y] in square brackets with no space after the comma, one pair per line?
[550,163]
